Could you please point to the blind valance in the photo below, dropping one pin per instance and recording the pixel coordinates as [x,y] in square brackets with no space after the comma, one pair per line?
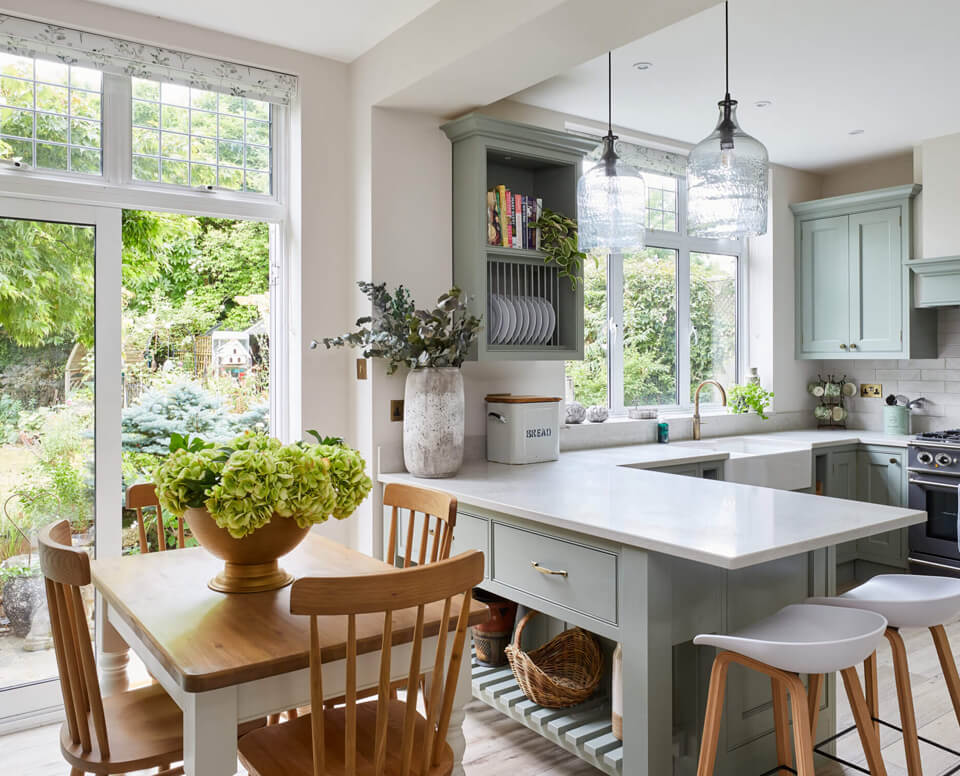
[120,57]
[646,159]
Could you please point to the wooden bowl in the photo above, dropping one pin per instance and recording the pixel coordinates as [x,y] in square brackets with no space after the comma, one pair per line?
[250,564]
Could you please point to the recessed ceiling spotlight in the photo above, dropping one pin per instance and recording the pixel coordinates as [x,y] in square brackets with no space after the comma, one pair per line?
[642,65]
[763,103]
[855,132]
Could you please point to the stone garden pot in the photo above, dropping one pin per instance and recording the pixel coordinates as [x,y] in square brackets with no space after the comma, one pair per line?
[21,596]
[250,564]
[433,422]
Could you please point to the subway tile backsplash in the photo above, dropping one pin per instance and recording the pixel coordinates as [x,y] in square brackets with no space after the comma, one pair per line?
[937,379]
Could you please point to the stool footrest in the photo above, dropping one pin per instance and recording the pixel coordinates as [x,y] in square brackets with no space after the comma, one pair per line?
[817,748]
[780,769]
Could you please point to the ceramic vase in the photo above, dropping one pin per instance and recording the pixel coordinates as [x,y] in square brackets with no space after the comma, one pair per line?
[21,596]
[250,564]
[433,422]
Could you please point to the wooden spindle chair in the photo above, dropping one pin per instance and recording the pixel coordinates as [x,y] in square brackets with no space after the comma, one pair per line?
[144,496]
[439,512]
[145,725]
[386,737]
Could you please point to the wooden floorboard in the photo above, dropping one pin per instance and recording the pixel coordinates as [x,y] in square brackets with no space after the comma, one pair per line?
[498,745]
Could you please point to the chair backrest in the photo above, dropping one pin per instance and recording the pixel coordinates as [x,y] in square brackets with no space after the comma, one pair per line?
[387,593]
[439,519]
[66,569]
[144,496]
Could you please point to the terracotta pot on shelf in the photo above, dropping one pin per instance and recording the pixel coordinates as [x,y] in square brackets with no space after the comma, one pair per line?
[250,564]
[491,637]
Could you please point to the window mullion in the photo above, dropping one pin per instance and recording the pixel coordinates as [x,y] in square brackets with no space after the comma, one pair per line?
[615,380]
[683,326]
[116,129]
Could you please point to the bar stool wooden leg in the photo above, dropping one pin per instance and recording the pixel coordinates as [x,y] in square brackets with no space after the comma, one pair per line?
[949,666]
[802,738]
[872,689]
[868,737]
[814,688]
[781,722]
[908,720]
[711,721]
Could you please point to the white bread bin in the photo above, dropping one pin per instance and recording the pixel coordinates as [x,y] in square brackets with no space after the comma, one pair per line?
[523,429]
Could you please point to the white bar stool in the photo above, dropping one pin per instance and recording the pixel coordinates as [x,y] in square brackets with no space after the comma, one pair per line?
[799,639]
[908,601]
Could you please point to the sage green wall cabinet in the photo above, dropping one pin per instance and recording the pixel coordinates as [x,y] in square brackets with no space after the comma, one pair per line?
[854,287]
[534,162]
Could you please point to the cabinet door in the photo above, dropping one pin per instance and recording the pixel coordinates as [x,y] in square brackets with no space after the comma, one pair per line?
[880,481]
[842,483]
[876,282]
[824,302]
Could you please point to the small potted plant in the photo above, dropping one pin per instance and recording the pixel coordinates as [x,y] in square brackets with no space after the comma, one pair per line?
[433,344]
[751,397]
[559,241]
[253,499]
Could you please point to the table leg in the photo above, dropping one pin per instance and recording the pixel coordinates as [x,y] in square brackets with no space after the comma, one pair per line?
[646,611]
[114,655]
[461,698]
[210,733]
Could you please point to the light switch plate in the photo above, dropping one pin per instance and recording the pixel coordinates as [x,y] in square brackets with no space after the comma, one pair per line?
[361,369]
[871,390]
[396,409]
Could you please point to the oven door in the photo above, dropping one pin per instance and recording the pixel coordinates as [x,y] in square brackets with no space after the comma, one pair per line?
[935,541]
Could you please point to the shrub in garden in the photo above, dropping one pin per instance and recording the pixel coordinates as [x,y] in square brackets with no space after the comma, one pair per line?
[183,409]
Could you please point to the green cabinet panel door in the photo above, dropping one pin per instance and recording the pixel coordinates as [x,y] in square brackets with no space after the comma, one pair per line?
[876,281]
[880,481]
[825,291]
[842,483]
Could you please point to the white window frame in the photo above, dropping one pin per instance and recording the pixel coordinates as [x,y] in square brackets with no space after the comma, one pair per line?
[684,245]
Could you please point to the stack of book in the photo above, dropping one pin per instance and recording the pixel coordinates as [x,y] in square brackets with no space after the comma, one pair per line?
[510,219]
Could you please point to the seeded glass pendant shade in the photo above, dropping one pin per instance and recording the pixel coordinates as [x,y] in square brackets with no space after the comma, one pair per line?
[727,178]
[611,197]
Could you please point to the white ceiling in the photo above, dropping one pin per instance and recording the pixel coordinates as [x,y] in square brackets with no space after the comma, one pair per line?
[884,66]
[339,29]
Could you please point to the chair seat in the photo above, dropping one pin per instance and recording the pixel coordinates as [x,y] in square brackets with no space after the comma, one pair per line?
[287,749]
[806,638]
[144,729]
[906,600]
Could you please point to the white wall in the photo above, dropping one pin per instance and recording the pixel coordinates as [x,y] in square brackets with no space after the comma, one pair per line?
[895,170]
[940,169]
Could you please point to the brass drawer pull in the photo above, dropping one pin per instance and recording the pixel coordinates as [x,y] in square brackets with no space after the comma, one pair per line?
[546,571]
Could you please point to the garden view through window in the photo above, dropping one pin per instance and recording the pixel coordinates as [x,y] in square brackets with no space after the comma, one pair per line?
[195,360]
[661,320]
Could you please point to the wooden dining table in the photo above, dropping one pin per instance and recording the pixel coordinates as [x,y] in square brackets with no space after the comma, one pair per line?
[230,658]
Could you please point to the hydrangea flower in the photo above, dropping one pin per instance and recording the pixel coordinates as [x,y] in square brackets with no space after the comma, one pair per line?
[349,473]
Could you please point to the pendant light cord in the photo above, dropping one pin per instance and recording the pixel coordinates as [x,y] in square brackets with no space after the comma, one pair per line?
[726,44]
[610,92]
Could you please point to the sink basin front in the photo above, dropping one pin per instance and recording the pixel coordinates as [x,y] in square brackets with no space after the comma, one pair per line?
[763,462]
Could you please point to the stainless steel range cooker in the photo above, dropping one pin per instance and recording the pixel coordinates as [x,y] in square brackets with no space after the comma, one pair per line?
[934,476]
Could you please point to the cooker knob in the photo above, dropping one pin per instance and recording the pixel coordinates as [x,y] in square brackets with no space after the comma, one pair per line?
[924,457]
[943,459]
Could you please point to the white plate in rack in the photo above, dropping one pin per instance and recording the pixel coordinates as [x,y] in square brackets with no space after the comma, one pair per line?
[536,315]
[524,317]
[544,319]
[506,319]
[552,324]
[493,325]
[515,321]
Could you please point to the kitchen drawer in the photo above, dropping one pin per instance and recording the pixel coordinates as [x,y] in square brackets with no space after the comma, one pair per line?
[589,586]
[472,533]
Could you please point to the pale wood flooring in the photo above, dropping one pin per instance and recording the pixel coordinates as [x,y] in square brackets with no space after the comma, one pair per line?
[498,745]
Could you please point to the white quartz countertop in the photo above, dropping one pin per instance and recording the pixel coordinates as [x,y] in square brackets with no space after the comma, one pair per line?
[605,493]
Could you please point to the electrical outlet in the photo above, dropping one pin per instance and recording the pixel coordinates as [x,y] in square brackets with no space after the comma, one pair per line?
[871,390]
[396,409]
[361,369]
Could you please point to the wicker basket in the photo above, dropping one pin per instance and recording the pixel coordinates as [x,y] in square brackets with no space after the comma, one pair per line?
[563,672]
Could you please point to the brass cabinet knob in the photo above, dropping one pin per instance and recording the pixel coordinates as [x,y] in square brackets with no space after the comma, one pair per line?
[894,460]
[853,346]
[843,347]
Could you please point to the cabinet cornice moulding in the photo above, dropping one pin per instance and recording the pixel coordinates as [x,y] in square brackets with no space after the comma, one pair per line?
[876,198]
[479,124]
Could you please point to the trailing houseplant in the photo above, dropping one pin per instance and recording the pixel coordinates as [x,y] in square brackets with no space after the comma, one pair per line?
[433,344]
[558,239]
[750,397]
[253,499]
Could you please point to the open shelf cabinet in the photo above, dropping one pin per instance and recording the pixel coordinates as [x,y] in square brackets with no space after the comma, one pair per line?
[585,730]
[535,162]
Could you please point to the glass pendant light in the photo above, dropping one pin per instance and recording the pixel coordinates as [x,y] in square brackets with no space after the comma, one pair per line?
[611,196]
[727,174]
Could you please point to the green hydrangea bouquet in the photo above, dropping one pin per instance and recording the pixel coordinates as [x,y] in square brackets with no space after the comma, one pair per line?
[248,480]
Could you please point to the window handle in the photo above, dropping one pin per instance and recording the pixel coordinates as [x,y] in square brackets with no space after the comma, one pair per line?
[613,331]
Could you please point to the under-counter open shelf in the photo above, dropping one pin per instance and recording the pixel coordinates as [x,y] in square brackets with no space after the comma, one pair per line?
[584,730]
